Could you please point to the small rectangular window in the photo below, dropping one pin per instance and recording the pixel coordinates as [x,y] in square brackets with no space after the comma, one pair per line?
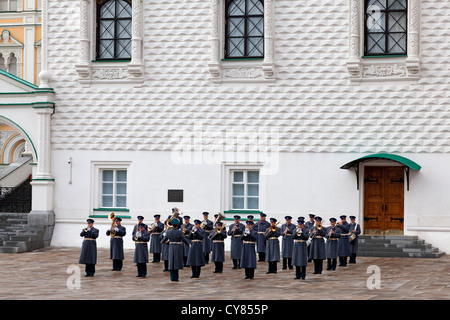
[175,195]
[113,188]
[245,190]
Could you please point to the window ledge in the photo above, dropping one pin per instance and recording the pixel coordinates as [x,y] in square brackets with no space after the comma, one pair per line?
[112,209]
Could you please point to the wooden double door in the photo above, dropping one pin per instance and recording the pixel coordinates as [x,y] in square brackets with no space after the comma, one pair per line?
[383,200]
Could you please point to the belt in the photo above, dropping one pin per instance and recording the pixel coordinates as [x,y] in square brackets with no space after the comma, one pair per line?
[249,242]
[273,238]
[208,230]
[333,239]
[118,237]
[194,241]
[136,242]
[237,235]
[217,240]
[156,232]
[288,234]
[261,232]
[318,237]
[345,234]
[299,240]
[175,242]
[89,239]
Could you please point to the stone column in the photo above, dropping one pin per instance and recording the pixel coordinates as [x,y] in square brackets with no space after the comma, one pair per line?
[42,214]
[135,67]
[413,60]
[354,60]
[269,64]
[214,60]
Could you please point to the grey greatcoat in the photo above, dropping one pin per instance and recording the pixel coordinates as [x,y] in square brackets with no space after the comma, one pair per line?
[287,242]
[187,230]
[175,253]
[344,243]
[89,247]
[236,240]
[141,247]
[317,250]
[196,257]
[207,242]
[332,242]
[273,245]
[300,249]
[354,243]
[116,243]
[261,227]
[309,225]
[218,246]
[164,249]
[248,256]
[155,238]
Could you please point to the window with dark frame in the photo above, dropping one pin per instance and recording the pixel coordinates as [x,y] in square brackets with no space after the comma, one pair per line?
[114,19]
[175,195]
[385,27]
[244,29]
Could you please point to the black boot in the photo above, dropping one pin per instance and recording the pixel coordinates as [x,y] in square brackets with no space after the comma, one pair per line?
[290,264]
[166,265]
[284,267]
[297,272]
[328,263]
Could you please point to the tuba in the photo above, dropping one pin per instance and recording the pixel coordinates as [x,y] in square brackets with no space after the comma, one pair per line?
[112,217]
[219,218]
[176,213]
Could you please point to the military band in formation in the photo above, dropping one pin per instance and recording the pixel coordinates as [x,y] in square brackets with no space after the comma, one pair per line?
[179,243]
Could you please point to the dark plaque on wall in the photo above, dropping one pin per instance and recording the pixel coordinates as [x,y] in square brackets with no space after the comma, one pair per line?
[175,195]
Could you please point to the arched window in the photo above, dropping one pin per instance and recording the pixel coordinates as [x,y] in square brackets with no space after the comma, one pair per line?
[2,63]
[114,29]
[12,66]
[386,27]
[244,31]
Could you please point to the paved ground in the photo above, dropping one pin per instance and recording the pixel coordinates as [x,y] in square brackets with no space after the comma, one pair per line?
[43,275]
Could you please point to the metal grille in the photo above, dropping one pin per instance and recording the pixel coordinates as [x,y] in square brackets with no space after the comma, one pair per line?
[17,199]
[386,27]
[244,29]
[114,29]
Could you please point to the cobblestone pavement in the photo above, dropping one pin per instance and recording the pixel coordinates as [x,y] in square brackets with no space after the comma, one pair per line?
[43,274]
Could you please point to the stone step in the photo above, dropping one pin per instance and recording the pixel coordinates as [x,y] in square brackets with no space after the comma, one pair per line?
[17,220]
[6,249]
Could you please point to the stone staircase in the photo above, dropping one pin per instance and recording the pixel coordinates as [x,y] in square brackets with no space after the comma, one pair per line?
[17,236]
[396,246]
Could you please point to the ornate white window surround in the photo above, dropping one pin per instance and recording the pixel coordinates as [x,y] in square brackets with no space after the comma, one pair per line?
[9,48]
[90,71]
[383,68]
[245,70]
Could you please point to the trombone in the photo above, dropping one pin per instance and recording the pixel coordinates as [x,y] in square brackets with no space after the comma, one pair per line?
[271,229]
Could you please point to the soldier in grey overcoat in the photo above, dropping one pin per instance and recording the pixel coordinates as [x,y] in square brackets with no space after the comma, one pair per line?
[207,226]
[261,227]
[186,228]
[176,239]
[218,247]
[88,254]
[165,247]
[272,246]
[248,256]
[235,231]
[333,234]
[344,243]
[356,229]
[116,244]
[136,227]
[141,238]
[300,251]
[317,252]
[196,258]
[287,242]
[155,238]
[309,225]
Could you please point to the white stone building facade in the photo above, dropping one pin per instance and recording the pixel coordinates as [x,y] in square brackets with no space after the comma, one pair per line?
[257,134]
